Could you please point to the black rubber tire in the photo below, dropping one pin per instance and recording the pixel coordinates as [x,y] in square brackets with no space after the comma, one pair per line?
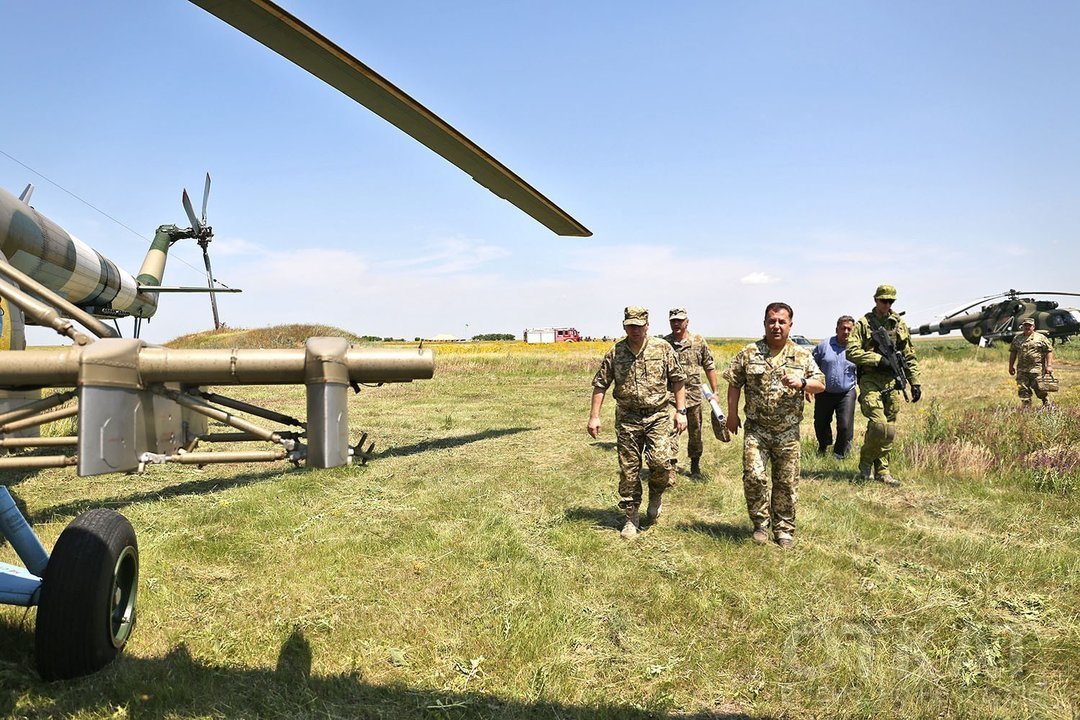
[86,611]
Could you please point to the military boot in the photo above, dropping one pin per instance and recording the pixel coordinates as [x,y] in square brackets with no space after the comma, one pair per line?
[866,473]
[630,528]
[761,535]
[656,504]
[888,479]
[695,467]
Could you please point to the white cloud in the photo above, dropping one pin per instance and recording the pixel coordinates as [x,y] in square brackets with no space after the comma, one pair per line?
[449,256]
[463,287]
[234,247]
[758,278]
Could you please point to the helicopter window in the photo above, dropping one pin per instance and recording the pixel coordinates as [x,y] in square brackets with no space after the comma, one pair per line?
[1057,320]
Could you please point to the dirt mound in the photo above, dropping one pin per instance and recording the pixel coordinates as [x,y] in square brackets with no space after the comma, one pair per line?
[278,336]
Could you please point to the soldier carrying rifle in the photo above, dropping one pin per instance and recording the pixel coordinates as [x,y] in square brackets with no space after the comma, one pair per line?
[880,346]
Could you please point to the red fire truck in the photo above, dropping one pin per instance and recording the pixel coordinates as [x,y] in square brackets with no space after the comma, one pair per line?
[552,334]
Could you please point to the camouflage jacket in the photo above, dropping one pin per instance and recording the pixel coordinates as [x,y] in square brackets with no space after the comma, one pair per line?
[862,351]
[1030,352]
[642,381]
[694,356]
[767,402]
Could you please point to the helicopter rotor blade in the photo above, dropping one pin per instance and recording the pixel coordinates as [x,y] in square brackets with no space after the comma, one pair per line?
[288,36]
[210,284]
[987,298]
[1047,292]
[190,212]
[965,308]
[205,197]
[1015,294]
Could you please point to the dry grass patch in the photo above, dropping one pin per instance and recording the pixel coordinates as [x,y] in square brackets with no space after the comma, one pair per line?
[959,458]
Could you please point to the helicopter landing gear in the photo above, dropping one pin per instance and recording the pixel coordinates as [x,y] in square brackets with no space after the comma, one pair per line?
[87,608]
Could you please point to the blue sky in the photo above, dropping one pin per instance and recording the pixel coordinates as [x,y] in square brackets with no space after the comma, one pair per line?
[725,155]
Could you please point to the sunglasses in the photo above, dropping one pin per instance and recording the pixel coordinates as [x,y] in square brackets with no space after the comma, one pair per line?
[887,301]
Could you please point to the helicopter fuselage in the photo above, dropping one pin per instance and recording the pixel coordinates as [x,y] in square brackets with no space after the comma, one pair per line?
[60,261]
[1001,321]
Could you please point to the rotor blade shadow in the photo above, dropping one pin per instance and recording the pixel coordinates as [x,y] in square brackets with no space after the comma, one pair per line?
[180,685]
[195,487]
[599,517]
[834,475]
[451,442]
[718,530]
[13,476]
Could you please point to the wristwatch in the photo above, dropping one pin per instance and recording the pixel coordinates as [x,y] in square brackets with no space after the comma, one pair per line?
[803,384]
[681,412]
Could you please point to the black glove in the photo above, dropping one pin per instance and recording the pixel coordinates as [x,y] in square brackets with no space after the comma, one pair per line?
[916,393]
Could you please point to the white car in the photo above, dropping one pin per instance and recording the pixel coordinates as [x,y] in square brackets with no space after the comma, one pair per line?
[801,340]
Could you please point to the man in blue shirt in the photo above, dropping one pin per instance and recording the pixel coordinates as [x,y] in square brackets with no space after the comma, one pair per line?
[840,391]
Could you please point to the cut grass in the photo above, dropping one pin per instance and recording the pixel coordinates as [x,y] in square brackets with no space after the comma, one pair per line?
[474,569]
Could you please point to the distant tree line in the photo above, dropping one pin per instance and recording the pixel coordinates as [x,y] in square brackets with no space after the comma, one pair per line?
[495,336]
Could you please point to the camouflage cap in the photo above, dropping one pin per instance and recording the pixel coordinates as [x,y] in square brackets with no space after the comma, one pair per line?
[885,292]
[635,315]
[677,314]
[1027,321]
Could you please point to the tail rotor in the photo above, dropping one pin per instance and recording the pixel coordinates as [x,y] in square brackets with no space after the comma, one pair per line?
[203,234]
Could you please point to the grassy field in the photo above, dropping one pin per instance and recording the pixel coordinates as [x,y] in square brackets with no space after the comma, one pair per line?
[474,568]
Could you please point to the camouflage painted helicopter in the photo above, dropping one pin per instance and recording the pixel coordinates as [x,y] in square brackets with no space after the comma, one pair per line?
[1001,320]
[35,247]
[139,405]
[42,250]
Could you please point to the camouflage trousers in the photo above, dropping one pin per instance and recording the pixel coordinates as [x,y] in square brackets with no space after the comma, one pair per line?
[880,410]
[651,435]
[694,446]
[780,451]
[1028,383]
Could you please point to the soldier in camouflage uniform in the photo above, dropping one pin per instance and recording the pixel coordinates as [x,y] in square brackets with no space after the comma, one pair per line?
[777,375]
[879,403]
[694,356]
[1036,355]
[650,407]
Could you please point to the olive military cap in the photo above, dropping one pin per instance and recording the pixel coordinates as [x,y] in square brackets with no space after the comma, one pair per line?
[677,314]
[1027,321]
[885,292]
[635,315]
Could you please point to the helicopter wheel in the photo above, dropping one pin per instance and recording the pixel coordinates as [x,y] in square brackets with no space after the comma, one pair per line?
[87,607]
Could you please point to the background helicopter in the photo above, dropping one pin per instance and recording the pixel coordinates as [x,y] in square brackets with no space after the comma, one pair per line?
[1001,320]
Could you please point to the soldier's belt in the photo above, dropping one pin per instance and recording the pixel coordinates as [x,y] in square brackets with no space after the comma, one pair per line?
[642,410]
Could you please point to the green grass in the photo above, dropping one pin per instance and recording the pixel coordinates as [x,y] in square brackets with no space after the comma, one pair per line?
[474,568]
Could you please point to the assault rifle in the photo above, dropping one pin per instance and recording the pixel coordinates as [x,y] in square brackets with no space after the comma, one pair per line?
[897,363]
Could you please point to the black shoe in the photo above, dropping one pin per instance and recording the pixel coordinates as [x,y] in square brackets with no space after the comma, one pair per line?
[695,467]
